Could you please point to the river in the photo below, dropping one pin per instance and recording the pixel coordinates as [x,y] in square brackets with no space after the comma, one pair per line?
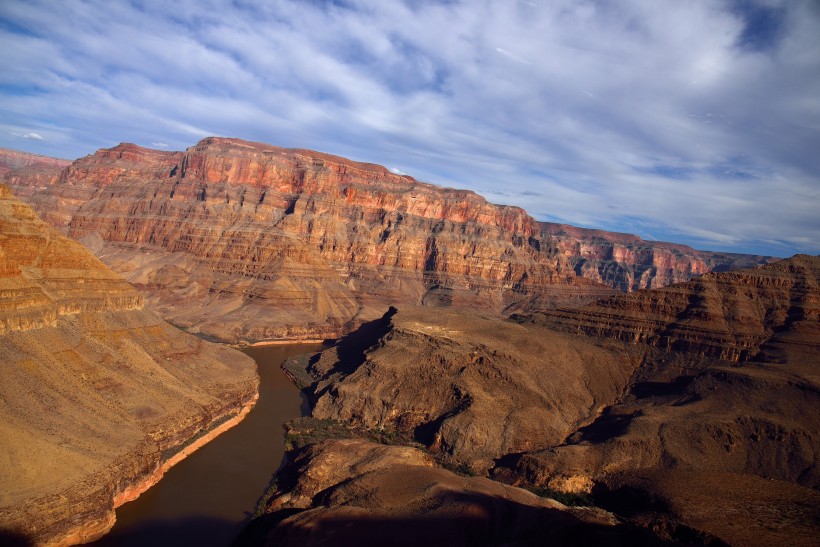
[208,498]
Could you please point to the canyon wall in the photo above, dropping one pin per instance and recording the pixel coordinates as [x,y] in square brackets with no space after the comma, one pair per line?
[629,263]
[14,160]
[730,315]
[99,395]
[688,409]
[246,241]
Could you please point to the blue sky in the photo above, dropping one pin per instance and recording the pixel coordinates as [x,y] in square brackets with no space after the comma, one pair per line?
[696,122]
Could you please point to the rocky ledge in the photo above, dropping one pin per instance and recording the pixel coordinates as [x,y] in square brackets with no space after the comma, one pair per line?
[100,396]
[711,438]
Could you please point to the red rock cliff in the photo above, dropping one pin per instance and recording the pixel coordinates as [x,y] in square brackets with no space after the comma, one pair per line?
[629,263]
[245,240]
[225,233]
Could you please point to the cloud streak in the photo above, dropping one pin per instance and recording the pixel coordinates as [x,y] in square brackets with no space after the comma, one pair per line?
[697,122]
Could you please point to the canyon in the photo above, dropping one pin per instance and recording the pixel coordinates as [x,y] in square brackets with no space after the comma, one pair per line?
[244,241]
[485,364]
[99,395]
[629,263]
[688,410]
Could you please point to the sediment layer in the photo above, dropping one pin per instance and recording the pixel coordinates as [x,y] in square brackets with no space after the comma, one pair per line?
[245,241]
[635,400]
[99,395]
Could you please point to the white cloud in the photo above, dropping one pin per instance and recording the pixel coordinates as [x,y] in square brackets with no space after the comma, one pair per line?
[601,108]
[160,144]
[30,135]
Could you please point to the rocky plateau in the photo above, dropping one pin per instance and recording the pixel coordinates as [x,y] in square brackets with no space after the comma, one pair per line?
[690,411]
[245,241]
[99,396]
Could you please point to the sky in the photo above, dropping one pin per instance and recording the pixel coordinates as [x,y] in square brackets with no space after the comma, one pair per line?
[696,121]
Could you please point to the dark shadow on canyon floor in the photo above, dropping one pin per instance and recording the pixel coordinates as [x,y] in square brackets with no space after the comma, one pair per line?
[351,347]
[9,538]
[462,519]
[607,426]
[200,531]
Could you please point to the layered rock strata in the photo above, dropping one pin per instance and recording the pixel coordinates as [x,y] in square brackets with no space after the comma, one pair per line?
[243,240]
[710,384]
[14,160]
[26,172]
[99,396]
[629,263]
[247,241]
[732,315]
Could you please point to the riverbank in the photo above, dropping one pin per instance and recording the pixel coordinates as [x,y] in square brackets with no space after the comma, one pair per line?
[98,526]
[133,492]
[206,498]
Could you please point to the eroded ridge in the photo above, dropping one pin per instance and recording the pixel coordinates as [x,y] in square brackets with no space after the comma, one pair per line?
[99,396]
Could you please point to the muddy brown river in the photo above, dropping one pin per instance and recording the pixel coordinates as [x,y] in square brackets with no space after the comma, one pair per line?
[208,498]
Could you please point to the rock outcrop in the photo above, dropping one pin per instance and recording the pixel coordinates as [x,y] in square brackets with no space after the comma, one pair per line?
[470,387]
[636,399]
[352,492]
[99,396]
[629,263]
[732,315]
[247,241]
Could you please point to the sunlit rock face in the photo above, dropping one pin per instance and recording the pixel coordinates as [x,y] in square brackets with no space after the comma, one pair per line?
[629,263]
[247,241]
[99,396]
[244,240]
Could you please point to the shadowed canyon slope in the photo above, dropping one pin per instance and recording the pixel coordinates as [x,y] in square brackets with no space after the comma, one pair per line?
[98,396]
[243,240]
[389,495]
[692,407]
